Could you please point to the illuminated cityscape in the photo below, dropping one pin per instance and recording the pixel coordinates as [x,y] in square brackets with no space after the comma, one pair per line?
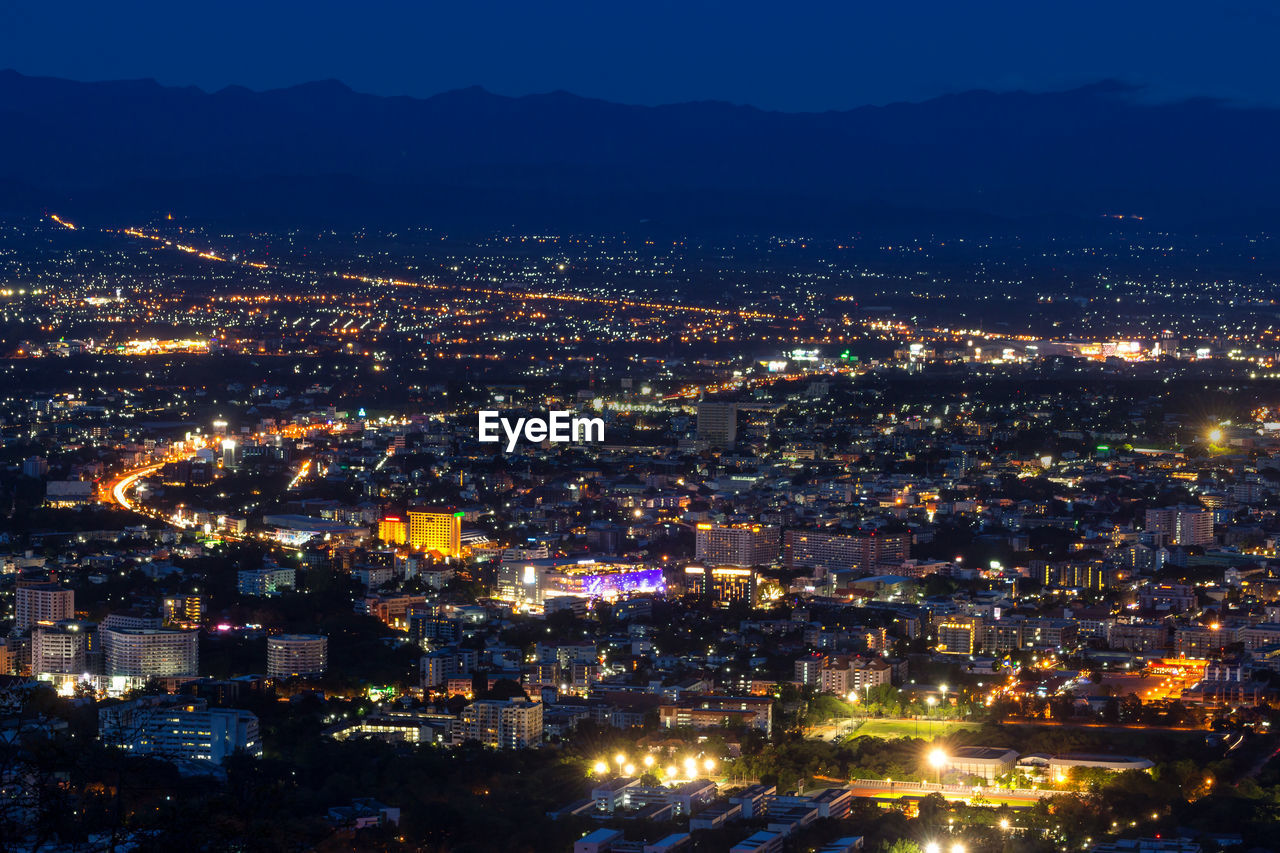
[825,572]
[449,471]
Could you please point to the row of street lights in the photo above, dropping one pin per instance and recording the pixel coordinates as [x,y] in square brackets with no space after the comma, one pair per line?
[627,768]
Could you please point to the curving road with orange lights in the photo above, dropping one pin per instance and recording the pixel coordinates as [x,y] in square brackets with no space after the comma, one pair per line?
[119,488]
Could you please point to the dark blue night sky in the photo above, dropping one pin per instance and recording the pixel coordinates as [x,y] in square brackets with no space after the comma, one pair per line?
[786,56]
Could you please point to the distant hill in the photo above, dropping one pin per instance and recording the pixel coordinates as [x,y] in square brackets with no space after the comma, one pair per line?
[322,151]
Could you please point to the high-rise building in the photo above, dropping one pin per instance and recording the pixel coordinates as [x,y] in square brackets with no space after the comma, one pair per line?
[289,655]
[718,423]
[1181,525]
[436,530]
[61,648]
[811,549]
[186,728]
[393,529]
[150,652]
[42,601]
[723,585]
[503,724]
[960,635]
[737,544]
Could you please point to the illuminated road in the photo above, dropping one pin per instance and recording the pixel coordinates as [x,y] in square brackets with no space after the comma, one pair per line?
[460,287]
[894,328]
[119,488]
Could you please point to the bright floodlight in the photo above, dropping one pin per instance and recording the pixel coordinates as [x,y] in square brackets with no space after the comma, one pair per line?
[1004,823]
[672,771]
[601,767]
[648,761]
[629,769]
[957,848]
[937,758]
[932,847]
[1215,435]
[709,764]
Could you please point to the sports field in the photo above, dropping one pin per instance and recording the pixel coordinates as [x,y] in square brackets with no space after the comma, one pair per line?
[891,728]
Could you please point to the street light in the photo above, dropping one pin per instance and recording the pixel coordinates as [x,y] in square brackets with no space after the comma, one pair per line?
[957,848]
[709,764]
[938,760]
[648,761]
[932,847]
[601,768]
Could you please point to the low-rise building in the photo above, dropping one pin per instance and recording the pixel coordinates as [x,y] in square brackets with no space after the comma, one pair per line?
[989,762]
[179,728]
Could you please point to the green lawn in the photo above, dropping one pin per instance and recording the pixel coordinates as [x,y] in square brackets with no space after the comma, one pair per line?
[909,728]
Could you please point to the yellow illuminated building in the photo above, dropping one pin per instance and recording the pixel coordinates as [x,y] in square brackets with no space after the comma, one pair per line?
[723,585]
[436,530]
[959,635]
[393,529]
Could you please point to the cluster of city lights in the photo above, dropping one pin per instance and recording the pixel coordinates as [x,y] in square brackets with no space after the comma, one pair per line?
[671,772]
[935,847]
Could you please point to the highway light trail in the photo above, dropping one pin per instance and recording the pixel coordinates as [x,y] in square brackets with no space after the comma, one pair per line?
[462,288]
[120,490]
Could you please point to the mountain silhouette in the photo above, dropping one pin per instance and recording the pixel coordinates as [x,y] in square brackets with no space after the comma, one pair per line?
[323,151]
